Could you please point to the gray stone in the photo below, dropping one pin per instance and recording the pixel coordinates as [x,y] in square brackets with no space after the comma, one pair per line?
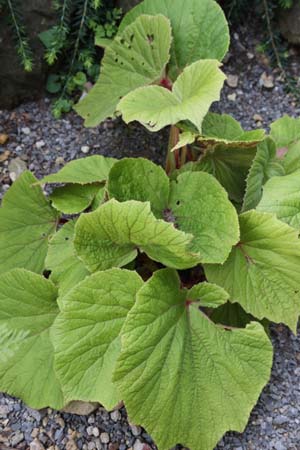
[104,438]
[289,23]
[16,84]
[280,420]
[80,408]
[16,439]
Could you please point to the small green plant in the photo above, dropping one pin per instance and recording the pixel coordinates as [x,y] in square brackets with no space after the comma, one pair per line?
[155,287]
[11,8]
[81,23]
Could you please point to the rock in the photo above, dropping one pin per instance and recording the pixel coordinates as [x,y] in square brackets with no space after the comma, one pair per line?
[40,144]
[95,432]
[136,431]
[36,445]
[104,438]
[3,138]
[16,84]
[71,445]
[25,130]
[16,167]
[16,439]
[80,408]
[4,156]
[138,445]
[257,118]
[280,420]
[266,81]
[232,81]
[232,97]
[85,149]
[279,446]
[115,415]
[289,23]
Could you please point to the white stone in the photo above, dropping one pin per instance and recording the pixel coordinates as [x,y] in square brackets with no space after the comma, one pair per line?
[85,149]
[104,438]
[40,144]
[115,415]
[138,445]
[26,130]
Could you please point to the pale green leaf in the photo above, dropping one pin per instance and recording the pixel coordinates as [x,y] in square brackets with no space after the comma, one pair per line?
[199,29]
[281,196]
[28,306]
[207,295]
[74,198]
[137,57]
[192,94]
[66,269]
[26,222]
[222,128]
[99,198]
[139,179]
[262,272]
[229,165]
[285,131]
[201,207]
[112,235]
[183,378]
[86,335]
[185,138]
[265,165]
[92,169]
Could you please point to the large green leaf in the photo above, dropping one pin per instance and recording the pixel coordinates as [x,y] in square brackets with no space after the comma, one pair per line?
[201,207]
[137,57]
[139,179]
[26,222]
[66,269]
[192,94]
[28,306]
[229,165]
[221,129]
[281,195]
[92,169]
[286,134]
[199,29]
[183,378]
[285,131]
[265,165]
[86,335]
[74,198]
[262,272]
[112,235]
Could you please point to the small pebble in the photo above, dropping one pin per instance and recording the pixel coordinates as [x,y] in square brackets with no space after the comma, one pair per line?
[85,149]
[104,438]
[25,130]
[115,415]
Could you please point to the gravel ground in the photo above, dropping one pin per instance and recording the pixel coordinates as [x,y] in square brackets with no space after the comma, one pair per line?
[43,144]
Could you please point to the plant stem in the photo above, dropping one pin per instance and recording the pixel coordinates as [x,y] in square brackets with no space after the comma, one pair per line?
[172,157]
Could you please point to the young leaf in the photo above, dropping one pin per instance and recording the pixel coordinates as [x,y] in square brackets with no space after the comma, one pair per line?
[137,57]
[142,180]
[201,207]
[281,196]
[112,235]
[28,305]
[66,269]
[26,222]
[74,198]
[198,379]
[86,335]
[265,165]
[92,169]
[222,128]
[262,272]
[193,92]
[200,29]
